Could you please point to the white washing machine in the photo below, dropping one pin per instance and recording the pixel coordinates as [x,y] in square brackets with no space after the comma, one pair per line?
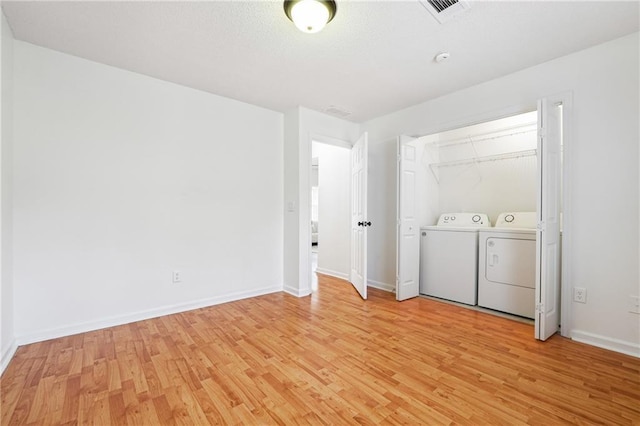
[449,257]
[507,264]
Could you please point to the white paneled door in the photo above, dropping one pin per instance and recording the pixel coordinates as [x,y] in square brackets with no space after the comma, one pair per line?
[359,220]
[550,131]
[408,229]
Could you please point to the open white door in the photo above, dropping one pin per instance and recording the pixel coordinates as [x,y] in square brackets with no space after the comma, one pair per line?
[547,316]
[359,223]
[408,230]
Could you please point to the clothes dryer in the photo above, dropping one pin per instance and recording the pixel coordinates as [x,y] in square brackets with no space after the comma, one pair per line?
[507,264]
[449,257]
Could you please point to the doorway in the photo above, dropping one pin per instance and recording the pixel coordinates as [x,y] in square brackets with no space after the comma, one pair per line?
[330,210]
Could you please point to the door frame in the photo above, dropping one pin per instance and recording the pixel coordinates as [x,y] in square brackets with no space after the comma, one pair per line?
[305,217]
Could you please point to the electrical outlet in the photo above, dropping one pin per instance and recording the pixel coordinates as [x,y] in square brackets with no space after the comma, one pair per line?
[634,304]
[580,294]
[177,277]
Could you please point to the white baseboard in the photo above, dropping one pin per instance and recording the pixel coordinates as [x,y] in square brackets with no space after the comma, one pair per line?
[7,355]
[382,286]
[331,273]
[69,330]
[294,291]
[627,348]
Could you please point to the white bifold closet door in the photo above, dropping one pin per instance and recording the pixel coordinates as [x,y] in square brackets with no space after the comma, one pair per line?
[550,131]
[408,226]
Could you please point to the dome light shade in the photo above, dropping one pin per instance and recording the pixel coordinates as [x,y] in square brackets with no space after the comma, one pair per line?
[310,16]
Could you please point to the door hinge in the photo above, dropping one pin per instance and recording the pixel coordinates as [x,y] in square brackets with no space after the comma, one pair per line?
[540,308]
[399,158]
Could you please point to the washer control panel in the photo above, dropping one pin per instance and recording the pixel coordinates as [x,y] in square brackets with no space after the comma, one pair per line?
[473,220]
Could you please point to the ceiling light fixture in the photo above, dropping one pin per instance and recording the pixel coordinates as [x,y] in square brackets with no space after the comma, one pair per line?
[310,16]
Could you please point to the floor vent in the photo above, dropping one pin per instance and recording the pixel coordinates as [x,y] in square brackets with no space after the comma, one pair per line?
[444,10]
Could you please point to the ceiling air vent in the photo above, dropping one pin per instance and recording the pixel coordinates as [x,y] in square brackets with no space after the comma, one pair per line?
[337,111]
[443,10]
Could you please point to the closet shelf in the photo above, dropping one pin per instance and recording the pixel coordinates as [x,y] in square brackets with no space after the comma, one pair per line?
[495,134]
[497,157]
[434,167]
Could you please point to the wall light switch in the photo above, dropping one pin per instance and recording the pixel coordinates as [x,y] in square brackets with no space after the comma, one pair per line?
[177,277]
[634,304]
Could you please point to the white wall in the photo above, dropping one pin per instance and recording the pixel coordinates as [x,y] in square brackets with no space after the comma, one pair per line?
[603,173]
[334,227]
[7,342]
[302,126]
[291,206]
[120,179]
[427,185]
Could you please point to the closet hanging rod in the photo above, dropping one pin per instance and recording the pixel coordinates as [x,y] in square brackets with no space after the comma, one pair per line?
[507,156]
[479,137]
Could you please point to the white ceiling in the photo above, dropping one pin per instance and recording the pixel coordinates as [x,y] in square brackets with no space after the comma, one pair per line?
[375,57]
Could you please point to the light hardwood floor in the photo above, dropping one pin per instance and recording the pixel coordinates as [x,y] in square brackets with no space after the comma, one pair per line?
[326,359]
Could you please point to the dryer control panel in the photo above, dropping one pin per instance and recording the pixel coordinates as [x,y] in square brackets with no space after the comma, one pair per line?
[464,220]
[527,220]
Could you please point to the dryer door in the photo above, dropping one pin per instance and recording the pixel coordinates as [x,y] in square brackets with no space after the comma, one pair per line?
[511,261]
